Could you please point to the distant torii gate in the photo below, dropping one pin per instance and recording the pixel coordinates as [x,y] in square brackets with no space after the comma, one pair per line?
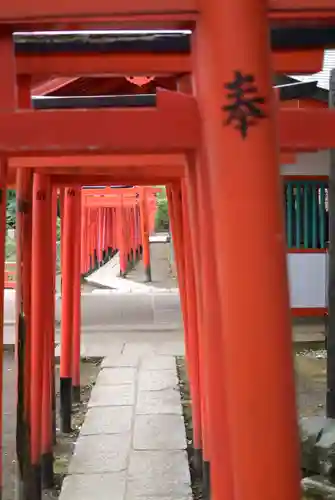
[226,133]
[121,229]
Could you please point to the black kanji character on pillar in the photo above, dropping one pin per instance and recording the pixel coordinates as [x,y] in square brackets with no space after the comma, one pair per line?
[245,109]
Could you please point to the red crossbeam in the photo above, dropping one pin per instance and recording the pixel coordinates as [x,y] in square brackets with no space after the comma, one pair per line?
[172,127]
[307,129]
[300,61]
[34,11]
[144,131]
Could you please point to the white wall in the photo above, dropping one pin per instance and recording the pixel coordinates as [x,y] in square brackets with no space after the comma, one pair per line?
[307,279]
[308,164]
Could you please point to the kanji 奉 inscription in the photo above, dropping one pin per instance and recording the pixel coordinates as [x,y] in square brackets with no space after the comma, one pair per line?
[246,106]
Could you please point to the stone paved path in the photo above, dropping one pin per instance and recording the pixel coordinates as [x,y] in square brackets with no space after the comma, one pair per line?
[132,444]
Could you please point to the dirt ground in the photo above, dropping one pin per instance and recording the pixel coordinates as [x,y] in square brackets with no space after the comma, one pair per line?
[187,414]
[63,451]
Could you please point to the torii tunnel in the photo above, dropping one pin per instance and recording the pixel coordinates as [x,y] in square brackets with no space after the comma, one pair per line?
[206,123]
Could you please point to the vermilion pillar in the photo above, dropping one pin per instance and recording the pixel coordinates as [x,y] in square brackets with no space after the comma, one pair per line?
[218,477]
[122,239]
[48,344]
[194,277]
[144,219]
[191,330]
[23,294]
[76,302]
[235,100]
[23,321]
[83,238]
[193,291]
[53,297]
[39,310]
[3,178]
[61,206]
[68,269]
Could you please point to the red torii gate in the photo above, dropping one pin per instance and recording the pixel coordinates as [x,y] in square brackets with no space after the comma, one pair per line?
[90,229]
[40,223]
[218,174]
[122,219]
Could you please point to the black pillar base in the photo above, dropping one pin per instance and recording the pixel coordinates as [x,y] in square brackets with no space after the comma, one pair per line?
[66,404]
[95,260]
[132,258]
[148,274]
[47,470]
[34,490]
[54,426]
[206,480]
[76,394]
[197,462]
[21,486]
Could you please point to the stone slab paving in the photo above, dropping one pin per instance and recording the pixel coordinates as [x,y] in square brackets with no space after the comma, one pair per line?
[112,395]
[132,445]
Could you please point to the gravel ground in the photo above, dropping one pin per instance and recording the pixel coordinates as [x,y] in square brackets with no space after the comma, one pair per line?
[311,382]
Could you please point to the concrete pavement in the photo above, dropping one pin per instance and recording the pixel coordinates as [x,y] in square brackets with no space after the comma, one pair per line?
[122,301]
[132,444]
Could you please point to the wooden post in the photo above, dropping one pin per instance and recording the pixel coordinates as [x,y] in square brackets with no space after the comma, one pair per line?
[132,235]
[39,312]
[3,182]
[23,331]
[24,186]
[76,303]
[68,266]
[90,238]
[235,100]
[330,400]
[194,288]
[99,237]
[145,233]
[121,239]
[48,344]
[192,231]
[53,297]
[218,472]
[83,238]
[191,339]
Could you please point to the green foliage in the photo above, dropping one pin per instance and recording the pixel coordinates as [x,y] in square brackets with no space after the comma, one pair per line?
[58,229]
[162,214]
[11,212]
[11,209]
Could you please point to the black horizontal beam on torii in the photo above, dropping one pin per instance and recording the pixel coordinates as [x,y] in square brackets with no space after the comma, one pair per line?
[158,43]
[287,92]
[90,102]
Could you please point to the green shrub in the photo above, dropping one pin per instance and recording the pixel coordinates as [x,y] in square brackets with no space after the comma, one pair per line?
[162,214]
